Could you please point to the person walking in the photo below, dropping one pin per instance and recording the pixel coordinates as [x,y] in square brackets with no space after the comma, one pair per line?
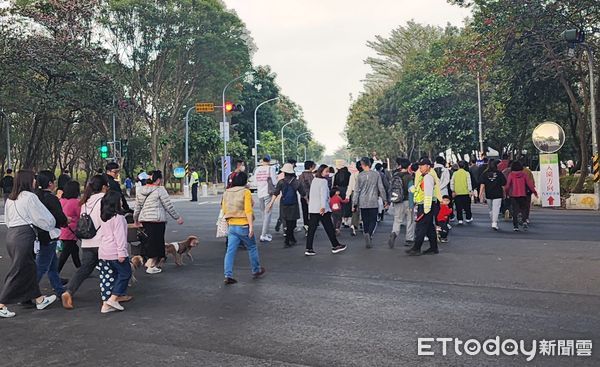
[460,184]
[47,259]
[443,174]
[112,171]
[113,255]
[90,207]
[492,190]
[341,180]
[386,187]
[152,205]
[516,188]
[240,166]
[62,180]
[194,181]
[25,215]
[305,179]
[355,220]
[70,206]
[237,210]
[401,208]
[320,212]
[128,186]
[288,187]
[266,177]
[369,190]
[336,203]
[529,174]
[7,184]
[425,192]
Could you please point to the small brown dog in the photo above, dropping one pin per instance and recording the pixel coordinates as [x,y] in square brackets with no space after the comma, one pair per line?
[178,249]
[136,263]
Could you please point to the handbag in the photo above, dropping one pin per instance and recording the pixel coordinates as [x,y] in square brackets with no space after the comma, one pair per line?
[222,225]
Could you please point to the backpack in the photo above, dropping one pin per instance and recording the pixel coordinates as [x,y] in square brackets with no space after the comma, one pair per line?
[396,188]
[85,226]
[289,196]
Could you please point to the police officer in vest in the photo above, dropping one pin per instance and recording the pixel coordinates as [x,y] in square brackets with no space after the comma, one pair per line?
[194,180]
[425,188]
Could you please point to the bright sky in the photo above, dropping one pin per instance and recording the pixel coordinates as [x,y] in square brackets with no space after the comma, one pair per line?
[317,48]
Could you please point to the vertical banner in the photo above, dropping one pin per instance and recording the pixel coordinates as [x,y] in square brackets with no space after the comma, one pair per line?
[549,180]
[225,168]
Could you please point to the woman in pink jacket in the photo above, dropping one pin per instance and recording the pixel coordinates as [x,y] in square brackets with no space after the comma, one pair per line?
[517,185]
[70,205]
[115,269]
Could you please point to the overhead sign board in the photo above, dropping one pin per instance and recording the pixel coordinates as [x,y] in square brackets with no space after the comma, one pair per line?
[205,107]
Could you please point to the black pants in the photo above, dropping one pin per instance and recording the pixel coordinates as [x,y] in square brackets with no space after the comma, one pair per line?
[70,249]
[195,192]
[519,206]
[528,207]
[325,220]
[463,203]
[304,203]
[155,245]
[89,260]
[369,218]
[444,229]
[425,227]
[290,225]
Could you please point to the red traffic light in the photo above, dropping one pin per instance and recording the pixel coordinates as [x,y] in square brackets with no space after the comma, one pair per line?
[228,106]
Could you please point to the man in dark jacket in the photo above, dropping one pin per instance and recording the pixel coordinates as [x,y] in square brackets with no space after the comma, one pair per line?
[7,184]
[112,172]
[400,204]
[305,179]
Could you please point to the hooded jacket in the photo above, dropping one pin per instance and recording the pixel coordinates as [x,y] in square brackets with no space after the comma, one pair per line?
[517,184]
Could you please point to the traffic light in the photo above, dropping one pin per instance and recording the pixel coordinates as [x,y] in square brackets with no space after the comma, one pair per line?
[231,107]
[573,36]
[124,147]
[103,149]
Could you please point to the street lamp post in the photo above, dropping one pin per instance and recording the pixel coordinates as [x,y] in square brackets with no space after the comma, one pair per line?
[304,152]
[256,129]
[5,119]
[225,115]
[297,139]
[480,119]
[282,139]
[186,182]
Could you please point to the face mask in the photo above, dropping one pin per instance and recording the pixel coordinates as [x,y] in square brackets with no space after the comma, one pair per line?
[331,174]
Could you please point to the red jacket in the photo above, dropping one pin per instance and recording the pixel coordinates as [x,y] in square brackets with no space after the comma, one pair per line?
[335,202]
[517,184]
[444,213]
[72,210]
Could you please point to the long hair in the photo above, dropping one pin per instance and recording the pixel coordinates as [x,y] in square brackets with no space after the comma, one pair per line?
[110,206]
[322,168]
[93,187]
[23,182]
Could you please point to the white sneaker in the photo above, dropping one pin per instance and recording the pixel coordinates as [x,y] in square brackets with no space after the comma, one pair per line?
[460,222]
[48,300]
[425,239]
[266,238]
[469,220]
[153,270]
[5,313]
[449,226]
[495,226]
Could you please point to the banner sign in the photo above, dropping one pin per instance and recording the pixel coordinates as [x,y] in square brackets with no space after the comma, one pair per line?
[549,180]
[225,168]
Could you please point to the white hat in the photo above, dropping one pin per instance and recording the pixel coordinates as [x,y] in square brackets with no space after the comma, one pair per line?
[288,168]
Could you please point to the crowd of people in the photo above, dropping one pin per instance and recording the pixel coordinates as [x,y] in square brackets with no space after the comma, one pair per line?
[47,217]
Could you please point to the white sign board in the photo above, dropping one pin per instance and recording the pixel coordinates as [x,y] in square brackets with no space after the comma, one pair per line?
[549,180]
[224,128]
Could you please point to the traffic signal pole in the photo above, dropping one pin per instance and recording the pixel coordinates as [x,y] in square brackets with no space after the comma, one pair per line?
[225,117]
[593,115]
[114,129]
[186,181]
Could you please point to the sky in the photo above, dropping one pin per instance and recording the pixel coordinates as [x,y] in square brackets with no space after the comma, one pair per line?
[317,48]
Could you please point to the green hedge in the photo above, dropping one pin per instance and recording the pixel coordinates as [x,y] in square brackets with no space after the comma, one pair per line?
[567,184]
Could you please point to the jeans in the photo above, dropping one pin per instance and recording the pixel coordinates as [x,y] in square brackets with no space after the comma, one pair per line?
[263,202]
[327,223]
[236,236]
[494,206]
[463,203]
[425,227]
[369,218]
[114,277]
[47,263]
[403,214]
[89,261]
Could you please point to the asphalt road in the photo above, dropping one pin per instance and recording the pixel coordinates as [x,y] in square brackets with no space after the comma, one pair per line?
[364,307]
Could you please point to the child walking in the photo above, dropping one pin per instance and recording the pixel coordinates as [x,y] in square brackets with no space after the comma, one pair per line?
[443,218]
[335,202]
[114,266]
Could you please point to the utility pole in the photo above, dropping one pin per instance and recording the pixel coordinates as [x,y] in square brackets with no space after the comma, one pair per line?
[256,130]
[114,129]
[186,184]
[480,118]
[6,120]
[282,139]
[225,120]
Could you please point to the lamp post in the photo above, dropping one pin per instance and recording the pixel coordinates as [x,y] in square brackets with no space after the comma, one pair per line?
[304,152]
[282,148]
[225,115]
[256,129]
[480,119]
[297,138]
[5,119]
[575,36]
[186,181]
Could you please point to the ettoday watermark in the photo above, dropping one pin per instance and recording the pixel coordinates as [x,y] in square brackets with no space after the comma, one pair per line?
[506,347]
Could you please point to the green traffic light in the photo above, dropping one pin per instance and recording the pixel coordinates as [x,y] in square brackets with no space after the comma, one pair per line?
[104,149]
